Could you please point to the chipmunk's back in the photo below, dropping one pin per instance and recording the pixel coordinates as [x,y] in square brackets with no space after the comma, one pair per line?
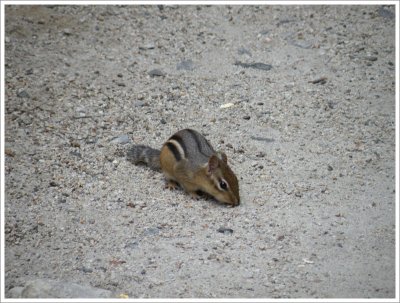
[195,147]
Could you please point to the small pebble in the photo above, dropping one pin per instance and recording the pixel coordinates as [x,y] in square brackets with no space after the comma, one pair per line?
[156,73]
[132,245]
[67,31]
[185,65]
[298,194]
[260,154]
[140,104]
[257,65]
[9,152]
[86,270]
[385,13]
[268,140]
[225,230]
[124,139]
[75,144]
[151,231]
[321,80]
[371,58]
[76,154]
[243,51]
[147,46]
[226,105]
[23,94]
[53,184]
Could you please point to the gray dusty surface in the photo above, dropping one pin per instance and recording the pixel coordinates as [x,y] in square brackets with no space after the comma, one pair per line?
[301,98]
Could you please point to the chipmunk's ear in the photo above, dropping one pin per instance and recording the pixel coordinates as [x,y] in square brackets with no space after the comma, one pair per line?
[223,157]
[213,164]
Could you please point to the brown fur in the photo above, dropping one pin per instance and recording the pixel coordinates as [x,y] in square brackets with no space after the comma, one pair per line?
[189,160]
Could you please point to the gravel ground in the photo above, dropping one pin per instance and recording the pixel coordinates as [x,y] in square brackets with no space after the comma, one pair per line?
[302,100]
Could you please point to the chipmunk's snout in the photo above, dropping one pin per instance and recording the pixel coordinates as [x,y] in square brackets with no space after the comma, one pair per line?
[234,202]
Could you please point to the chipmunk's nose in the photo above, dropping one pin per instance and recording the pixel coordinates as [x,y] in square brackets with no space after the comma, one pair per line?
[236,201]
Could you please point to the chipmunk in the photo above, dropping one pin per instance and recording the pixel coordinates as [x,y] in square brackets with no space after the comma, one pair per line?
[188,160]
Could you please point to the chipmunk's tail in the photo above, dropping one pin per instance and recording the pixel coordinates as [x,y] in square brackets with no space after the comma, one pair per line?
[146,155]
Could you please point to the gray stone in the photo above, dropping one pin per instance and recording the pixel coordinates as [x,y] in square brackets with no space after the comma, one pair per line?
[67,31]
[244,51]
[185,65]
[385,13]
[124,139]
[23,94]
[151,231]
[156,73]
[225,231]
[256,65]
[267,140]
[44,288]
[15,292]
[301,44]
[147,46]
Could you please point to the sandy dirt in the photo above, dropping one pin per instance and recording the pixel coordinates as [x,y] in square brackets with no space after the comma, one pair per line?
[301,99]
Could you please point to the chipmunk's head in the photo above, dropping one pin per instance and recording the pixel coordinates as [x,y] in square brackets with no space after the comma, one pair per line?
[224,185]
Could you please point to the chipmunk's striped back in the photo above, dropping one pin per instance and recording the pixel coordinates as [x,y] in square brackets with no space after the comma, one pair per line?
[191,145]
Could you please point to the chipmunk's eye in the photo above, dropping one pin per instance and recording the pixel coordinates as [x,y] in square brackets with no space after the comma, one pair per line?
[223,184]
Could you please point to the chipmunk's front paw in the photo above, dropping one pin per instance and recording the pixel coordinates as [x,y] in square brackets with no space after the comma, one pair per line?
[171,185]
[198,194]
[194,195]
